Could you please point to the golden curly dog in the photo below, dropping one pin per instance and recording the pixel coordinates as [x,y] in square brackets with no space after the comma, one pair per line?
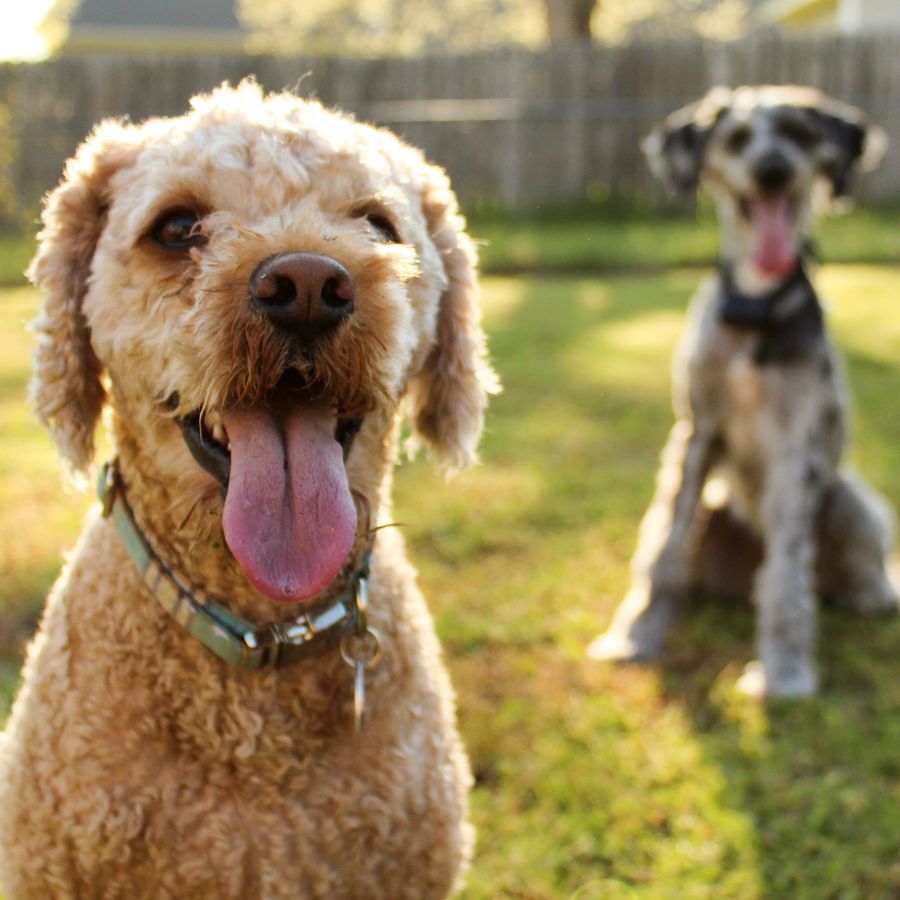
[255,291]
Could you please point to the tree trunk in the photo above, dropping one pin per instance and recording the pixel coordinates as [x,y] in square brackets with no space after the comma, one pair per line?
[569,20]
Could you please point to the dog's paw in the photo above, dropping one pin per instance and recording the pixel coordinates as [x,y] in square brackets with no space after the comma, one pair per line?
[640,624]
[799,682]
[614,647]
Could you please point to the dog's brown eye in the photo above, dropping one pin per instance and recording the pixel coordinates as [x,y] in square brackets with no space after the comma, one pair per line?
[384,228]
[178,230]
[738,139]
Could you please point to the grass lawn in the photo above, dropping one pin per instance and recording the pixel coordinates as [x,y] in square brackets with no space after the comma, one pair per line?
[593,781]
[15,252]
[585,239]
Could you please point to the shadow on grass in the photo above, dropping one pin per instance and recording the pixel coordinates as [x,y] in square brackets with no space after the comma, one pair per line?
[817,779]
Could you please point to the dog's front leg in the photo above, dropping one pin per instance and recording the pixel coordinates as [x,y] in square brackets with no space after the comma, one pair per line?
[784,590]
[662,564]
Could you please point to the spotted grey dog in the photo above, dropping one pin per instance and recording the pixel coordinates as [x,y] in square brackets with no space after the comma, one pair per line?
[759,397]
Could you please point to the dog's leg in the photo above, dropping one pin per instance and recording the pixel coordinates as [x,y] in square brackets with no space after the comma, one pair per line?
[662,567]
[784,586]
[855,531]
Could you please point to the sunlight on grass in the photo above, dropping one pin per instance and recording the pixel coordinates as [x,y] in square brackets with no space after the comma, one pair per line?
[628,353]
[502,301]
[864,307]
[863,303]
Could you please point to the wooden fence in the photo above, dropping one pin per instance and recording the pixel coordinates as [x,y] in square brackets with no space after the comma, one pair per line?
[516,127]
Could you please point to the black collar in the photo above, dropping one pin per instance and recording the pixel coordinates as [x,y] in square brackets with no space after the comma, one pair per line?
[760,311]
[788,317]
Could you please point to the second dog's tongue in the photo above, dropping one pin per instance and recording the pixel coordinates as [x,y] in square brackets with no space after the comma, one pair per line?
[289,518]
[772,250]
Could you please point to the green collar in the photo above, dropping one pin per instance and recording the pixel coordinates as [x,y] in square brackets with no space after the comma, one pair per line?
[235,640]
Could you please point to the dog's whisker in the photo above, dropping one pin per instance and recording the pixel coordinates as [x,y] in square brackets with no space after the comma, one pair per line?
[375,528]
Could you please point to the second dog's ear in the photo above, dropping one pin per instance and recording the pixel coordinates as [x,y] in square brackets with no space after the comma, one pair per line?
[448,396]
[675,148]
[850,143]
[66,388]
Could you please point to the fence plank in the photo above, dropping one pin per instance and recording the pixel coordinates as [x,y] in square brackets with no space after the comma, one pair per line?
[510,125]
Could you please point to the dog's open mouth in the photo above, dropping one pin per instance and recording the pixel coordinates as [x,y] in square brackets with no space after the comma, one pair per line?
[289,517]
[772,219]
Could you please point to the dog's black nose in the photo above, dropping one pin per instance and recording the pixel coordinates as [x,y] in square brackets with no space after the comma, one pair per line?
[773,172]
[304,294]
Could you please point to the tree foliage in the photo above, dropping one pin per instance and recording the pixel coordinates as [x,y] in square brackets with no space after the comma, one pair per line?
[569,19]
[54,26]
[381,27]
[378,27]
[615,22]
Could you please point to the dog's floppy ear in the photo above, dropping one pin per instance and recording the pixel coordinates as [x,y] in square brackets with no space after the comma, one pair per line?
[675,148]
[448,396]
[850,143]
[66,388]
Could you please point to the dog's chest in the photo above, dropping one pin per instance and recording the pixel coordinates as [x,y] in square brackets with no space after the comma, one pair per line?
[744,407]
[766,411]
[745,386]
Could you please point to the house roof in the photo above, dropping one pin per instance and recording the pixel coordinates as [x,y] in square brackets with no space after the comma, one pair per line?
[210,25]
[201,14]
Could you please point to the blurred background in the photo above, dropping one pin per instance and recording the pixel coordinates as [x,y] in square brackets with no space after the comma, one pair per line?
[524,101]
[591,781]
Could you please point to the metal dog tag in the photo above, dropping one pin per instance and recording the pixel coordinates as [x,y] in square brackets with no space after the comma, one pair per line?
[359,696]
[359,651]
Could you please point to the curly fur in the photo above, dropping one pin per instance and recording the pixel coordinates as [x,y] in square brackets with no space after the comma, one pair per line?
[135,763]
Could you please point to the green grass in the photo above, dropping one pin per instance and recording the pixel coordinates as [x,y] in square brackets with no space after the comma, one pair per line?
[592,781]
[587,239]
[15,252]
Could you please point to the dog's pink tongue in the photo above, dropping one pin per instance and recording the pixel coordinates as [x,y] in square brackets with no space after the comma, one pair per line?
[289,518]
[772,250]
